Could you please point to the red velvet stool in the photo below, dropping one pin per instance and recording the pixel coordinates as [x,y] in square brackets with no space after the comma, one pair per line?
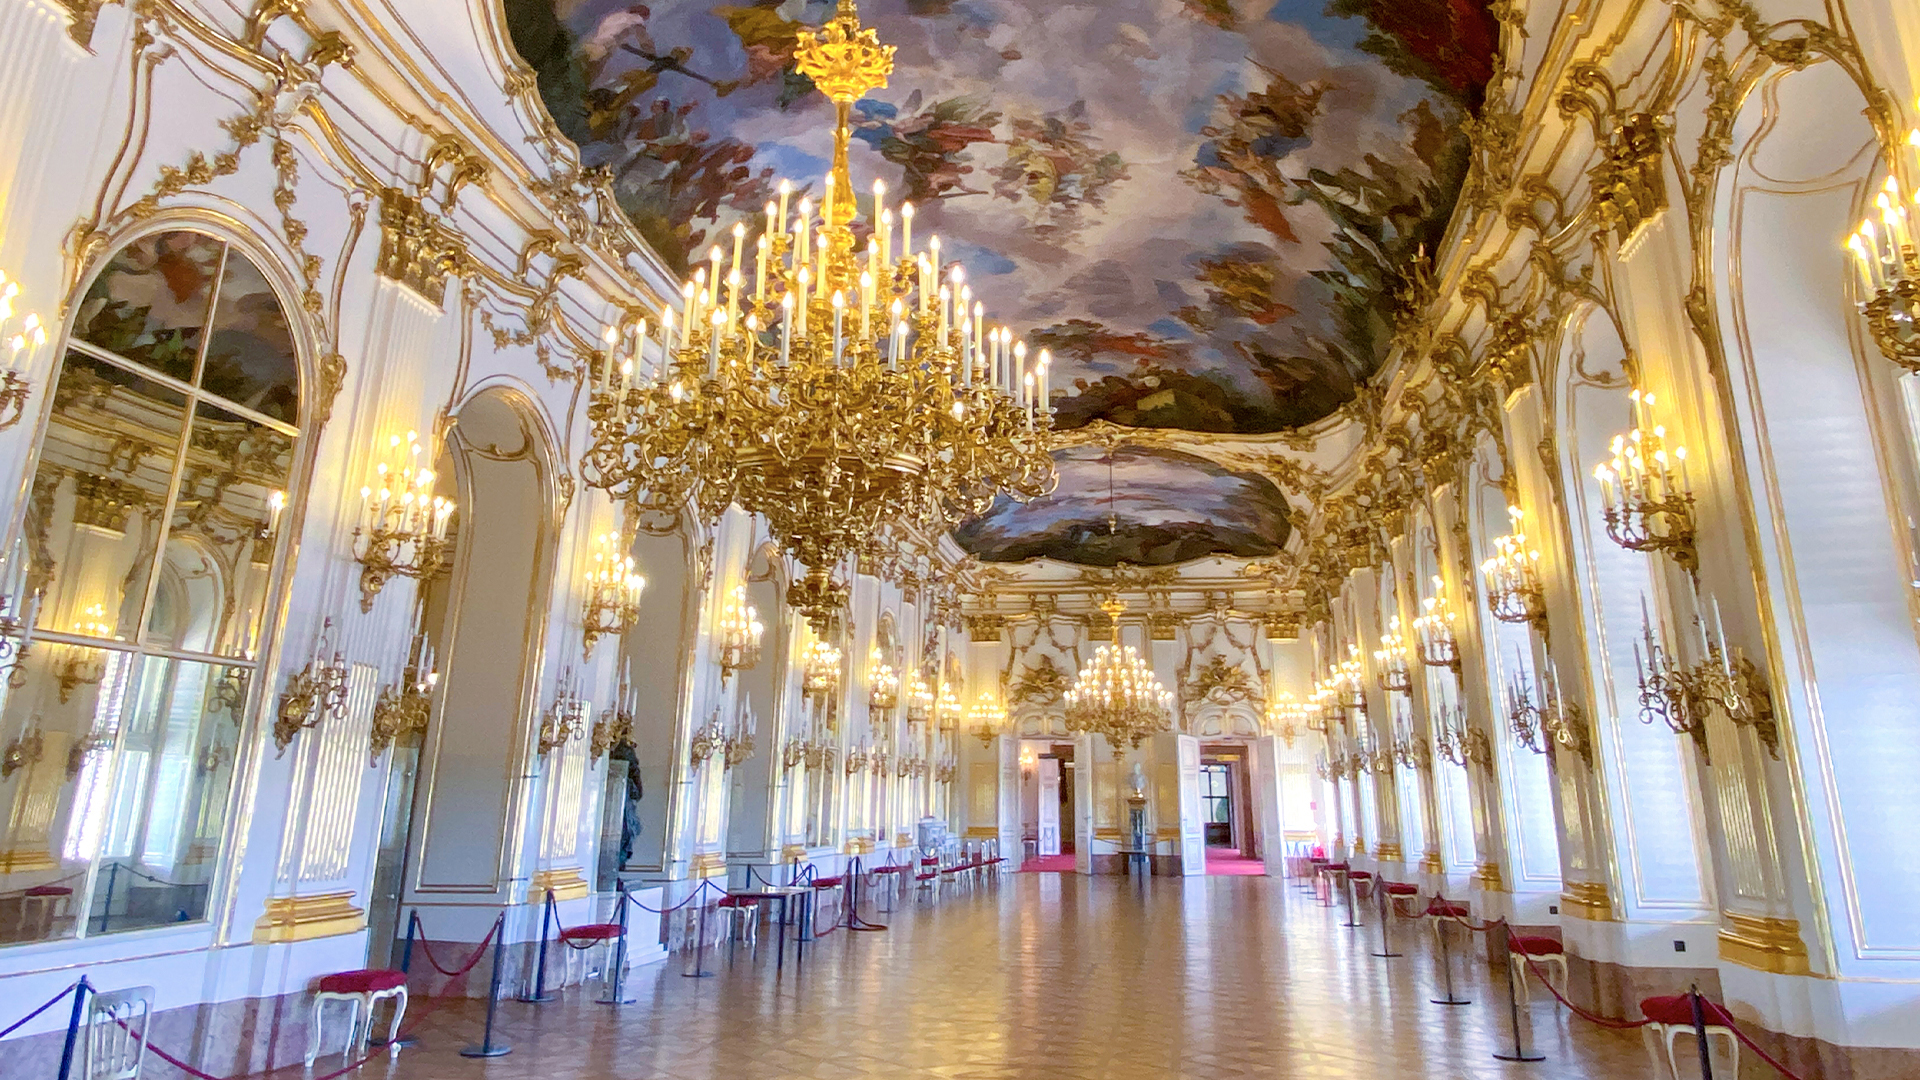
[1545,952]
[1362,883]
[1673,1017]
[39,906]
[1440,912]
[359,989]
[824,884]
[743,920]
[580,940]
[1402,896]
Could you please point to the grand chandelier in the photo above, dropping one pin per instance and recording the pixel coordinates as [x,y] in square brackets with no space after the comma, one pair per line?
[1117,695]
[848,392]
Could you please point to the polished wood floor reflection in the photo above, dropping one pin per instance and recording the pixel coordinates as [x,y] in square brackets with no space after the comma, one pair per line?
[1048,976]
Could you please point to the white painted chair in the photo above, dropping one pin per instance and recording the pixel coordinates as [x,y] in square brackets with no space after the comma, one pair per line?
[581,940]
[359,990]
[117,1023]
[1672,1017]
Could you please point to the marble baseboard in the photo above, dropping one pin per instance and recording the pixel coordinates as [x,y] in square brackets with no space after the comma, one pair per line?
[228,1038]
[1616,990]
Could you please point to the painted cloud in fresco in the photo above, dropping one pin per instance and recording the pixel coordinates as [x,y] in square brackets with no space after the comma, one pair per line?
[1206,207]
[1171,507]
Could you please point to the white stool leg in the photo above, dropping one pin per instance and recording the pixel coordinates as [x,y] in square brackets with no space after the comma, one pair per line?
[313,1030]
[399,1012]
[353,1024]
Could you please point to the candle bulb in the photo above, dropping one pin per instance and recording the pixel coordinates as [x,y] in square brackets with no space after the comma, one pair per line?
[826,209]
[713,276]
[906,230]
[713,343]
[686,304]
[760,271]
[786,328]
[785,189]
[886,240]
[800,304]
[866,304]
[1045,403]
[801,225]
[839,314]
[609,337]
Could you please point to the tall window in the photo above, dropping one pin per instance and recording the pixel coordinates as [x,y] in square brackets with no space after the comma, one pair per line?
[144,564]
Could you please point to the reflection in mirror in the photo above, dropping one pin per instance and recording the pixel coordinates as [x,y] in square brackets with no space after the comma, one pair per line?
[106,464]
[250,357]
[215,570]
[150,303]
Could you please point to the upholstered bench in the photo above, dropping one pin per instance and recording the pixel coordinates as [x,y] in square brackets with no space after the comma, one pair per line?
[359,989]
[1672,1017]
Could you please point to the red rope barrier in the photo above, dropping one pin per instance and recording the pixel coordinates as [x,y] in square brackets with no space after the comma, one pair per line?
[422,1014]
[478,952]
[1626,1025]
[691,897]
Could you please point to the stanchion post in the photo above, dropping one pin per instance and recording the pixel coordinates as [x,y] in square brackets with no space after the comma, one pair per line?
[1446,966]
[1347,895]
[1380,901]
[73,1026]
[106,909]
[487,1048]
[1700,1032]
[406,954]
[540,995]
[1513,1007]
[616,987]
[700,933]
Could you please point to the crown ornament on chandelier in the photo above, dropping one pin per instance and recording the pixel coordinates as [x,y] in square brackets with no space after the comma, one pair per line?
[1117,694]
[838,392]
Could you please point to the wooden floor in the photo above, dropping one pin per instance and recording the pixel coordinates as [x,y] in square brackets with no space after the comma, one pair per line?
[1046,975]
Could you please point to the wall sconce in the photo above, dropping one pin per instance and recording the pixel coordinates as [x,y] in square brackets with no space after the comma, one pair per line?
[821,672]
[314,693]
[732,740]
[1644,493]
[613,591]
[1512,578]
[1391,659]
[82,665]
[740,633]
[1029,758]
[919,699]
[1284,715]
[1433,631]
[947,709]
[403,524]
[944,772]
[615,725]
[1459,741]
[883,683]
[22,353]
[1889,267]
[403,708]
[1350,681]
[1411,750]
[986,719]
[1553,723]
[566,719]
[1681,696]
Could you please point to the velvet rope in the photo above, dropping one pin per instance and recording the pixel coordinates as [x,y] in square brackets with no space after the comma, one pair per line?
[15,894]
[1764,1056]
[479,951]
[406,1031]
[50,1003]
[691,897]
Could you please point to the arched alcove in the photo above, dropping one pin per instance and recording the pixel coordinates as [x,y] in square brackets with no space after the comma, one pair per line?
[658,653]
[478,745]
[750,813]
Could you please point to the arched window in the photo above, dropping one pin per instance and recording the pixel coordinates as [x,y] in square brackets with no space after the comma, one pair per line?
[145,564]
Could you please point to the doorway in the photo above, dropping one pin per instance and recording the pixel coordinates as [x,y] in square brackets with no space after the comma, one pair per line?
[1046,803]
[1226,811]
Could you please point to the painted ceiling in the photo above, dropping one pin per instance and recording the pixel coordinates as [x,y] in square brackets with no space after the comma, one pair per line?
[1208,209]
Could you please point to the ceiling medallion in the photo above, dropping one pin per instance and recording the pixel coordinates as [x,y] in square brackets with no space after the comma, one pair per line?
[849,392]
[1117,694]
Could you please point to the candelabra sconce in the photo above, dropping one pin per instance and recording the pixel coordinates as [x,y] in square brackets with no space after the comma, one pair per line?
[23,349]
[614,726]
[230,692]
[740,634]
[944,772]
[1391,660]
[793,753]
[733,743]
[920,699]
[1433,637]
[214,756]
[881,763]
[82,665]
[314,693]
[1321,768]
[1682,696]
[947,710]
[820,674]
[1459,741]
[1350,681]
[1553,724]
[613,592]
[986,720]
[24,751]
[1284,716]
[1412,751]
[402,709]
[883,683]
[856,761]
[79,752]
[1644,494]
[1512,578]
[1889,266]
[12,626]
[403,524]
[1321,706]
[566,719]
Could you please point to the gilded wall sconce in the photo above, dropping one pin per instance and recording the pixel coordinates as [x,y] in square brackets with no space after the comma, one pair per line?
[80,665]
[566,719]
[740,633]
[1889,265]
[1434,641]
[883,682]
[1512,578]
[1645,498]
[1391,660]
[402,529]
[821,671]
[312,694]
[613,591]
[403,709]
[22,353]
[986,719]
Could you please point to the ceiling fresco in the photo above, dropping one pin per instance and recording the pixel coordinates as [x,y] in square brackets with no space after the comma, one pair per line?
[1170,507]
[1208,209]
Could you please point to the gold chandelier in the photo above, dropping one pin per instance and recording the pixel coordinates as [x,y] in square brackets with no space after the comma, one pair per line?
[848,392]
[1117,695]
[988,718]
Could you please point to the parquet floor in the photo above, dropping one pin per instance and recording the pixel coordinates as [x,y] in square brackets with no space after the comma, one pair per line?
[1046,976]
